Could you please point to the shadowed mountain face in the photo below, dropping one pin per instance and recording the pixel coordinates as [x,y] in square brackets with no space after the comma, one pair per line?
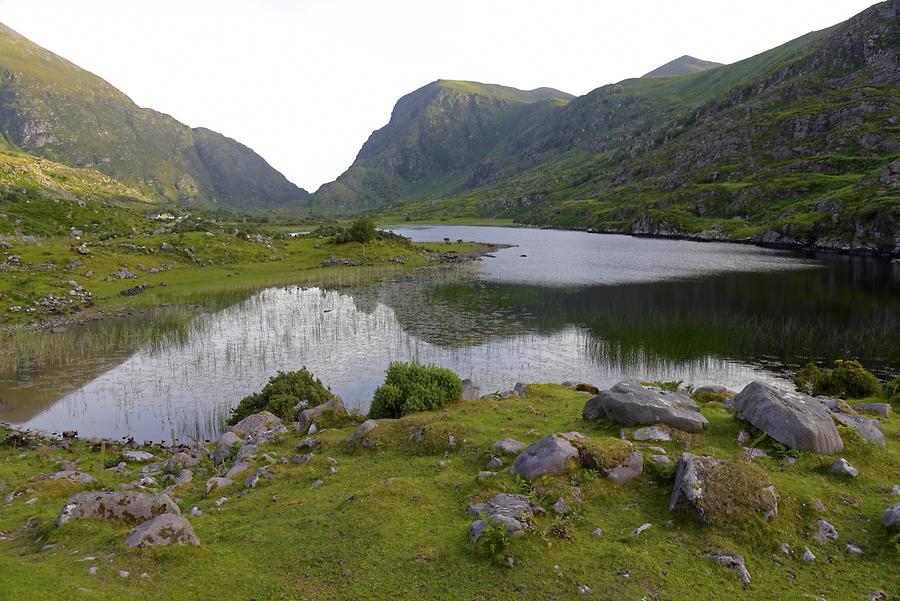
[52,108]
[683,65]
[445,137]
[795,146]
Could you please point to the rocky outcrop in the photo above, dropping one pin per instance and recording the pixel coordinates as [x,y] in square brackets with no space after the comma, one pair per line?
[633,404]
[131,507]
[795,420]
[259,427]
[554,454]
[163,531]
[513,511]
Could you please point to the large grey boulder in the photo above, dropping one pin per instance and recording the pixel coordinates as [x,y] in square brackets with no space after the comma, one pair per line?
[891,517]
[162,531]
[633,404]
[123,506]
[796,420]
[307,417]
[553,454]
[471,390]
[259,427]
[693,474]
[882,409]
[513,511]
[225,446]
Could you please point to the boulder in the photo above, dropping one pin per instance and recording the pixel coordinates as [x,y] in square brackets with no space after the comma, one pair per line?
[363,430]
[259,427]
[138,456]
[225,446]
[184,477]
[633,404]
[796,420]
[73,476]
[711,390]
[508,446]
[713,488]
[842,467]
[180,461]
[519,389]
[553,454]
[236,470]
[123,506]
[732,562]
[162,531]
[629,470]
[471,390]
[868,429]
[494,463]
[891,518]
[882,409]
[307,417]
[513,511]
[826,532]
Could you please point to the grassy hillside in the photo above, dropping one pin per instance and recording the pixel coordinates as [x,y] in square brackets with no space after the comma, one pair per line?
[52,108]
[390,522]
[683,65]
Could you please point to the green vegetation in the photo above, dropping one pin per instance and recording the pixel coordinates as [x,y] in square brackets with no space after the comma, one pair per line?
[390,523]
[603,453]
[413,387]
[735,494]
[282,395]
[849,379]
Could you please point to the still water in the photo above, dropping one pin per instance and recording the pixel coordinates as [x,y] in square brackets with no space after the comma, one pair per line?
[555,306]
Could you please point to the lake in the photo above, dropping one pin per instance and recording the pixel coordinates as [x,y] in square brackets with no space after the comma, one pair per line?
[554,306]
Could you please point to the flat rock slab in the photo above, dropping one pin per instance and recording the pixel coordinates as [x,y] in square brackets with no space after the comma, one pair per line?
[123,506]
[629,470]
[868,429]
[259,427]
[73,476]
[633,404]
[651,433]
[553,454]
[138,456]
[163,531]
[513,511]
[508,446]
[796,420]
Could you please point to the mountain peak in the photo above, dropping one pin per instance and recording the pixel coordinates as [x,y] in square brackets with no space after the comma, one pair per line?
[683,65]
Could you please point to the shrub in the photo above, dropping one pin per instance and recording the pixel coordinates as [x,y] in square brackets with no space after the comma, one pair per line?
[891,390]
[849,379]
[805,379]
[362,230]
[413,387]
[282,395]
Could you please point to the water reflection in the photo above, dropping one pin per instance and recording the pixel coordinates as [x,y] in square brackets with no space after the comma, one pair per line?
[176,374]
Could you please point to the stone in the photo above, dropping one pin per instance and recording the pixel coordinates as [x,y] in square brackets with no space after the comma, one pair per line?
[692,475]
[660,462]
[711,390]
[122,506]
[471,390]
[363,430]
[307,417]
[882,409]
[808,555]
[180,461]
[509,394]
[633,404]
[842,467]
[785,549]
[196,512]
[651,434]
[259,427]
[138,456]
[513,511]
[826,532]
[629,470]
[225,446]
[853,549]
[220,502]
[553,454]
[891,518]
[597,533]
[216,483]
[494,463]
[252,480]
[795,420]
[482,476]
[237,469]
[868,429]
[302,459]
[163,531]
[732,562]
[519,389]
[508,446]
[561,507]
[184,477]
[73,476]
[584,589]
[640,530]
[895,490]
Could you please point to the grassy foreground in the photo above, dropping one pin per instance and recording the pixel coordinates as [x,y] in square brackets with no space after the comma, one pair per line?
[390,523]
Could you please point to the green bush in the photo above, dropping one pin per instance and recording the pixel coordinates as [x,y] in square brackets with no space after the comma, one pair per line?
[891,390]
[282,394]
[849,379]
[413,387]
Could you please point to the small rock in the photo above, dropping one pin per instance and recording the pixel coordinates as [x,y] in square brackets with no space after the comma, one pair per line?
[363,430]
[640,530]
[733,562]
[216,482]
[482,476]
[508,446]
[195,512]
[891,517]
[826,532]
[808,555]
[220,502]
[597,533]
[785,549]
[124,574]
[584,589]
[842,467]
[494,463]
[92,570]
[853,549]
[561,507]
[331,469]
[877,596]
[317,483]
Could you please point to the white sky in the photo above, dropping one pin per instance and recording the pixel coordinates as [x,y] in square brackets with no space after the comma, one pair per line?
[305,82]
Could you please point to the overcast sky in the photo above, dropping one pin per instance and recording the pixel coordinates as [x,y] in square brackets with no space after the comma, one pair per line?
[305,82]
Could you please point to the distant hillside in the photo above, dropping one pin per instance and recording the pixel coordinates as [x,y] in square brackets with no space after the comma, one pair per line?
[683,65]
[445,137]
[52,108]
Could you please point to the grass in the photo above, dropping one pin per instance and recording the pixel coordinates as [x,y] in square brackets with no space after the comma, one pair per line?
[391,523]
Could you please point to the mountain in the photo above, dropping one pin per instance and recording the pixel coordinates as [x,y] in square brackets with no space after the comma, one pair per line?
[445,137]
[683,65]
[797,146]
[54,109]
